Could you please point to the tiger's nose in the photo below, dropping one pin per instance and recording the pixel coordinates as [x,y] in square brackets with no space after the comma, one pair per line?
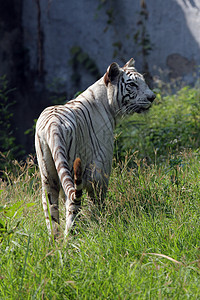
[151,98]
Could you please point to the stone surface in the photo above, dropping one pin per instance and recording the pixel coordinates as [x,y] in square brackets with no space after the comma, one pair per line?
[49,47]
[180,65]
[173,28]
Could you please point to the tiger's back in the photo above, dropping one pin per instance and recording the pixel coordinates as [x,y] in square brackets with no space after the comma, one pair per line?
[81,128]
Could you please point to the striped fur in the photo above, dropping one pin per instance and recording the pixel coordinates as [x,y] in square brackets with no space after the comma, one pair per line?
[74,142]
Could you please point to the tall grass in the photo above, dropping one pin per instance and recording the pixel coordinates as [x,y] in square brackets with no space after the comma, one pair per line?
[144,245]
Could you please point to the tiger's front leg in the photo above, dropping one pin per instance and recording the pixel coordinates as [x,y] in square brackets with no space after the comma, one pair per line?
[97,194]
[97,189]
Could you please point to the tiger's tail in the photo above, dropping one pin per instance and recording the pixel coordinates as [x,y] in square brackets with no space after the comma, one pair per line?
[73,206]
[78,180]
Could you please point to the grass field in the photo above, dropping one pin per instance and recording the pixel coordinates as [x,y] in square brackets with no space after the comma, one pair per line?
[145,245]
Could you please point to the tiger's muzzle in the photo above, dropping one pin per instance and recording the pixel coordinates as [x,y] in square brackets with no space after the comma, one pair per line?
[151,98]
[145,106]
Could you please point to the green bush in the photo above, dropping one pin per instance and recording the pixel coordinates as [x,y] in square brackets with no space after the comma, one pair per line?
[172,124]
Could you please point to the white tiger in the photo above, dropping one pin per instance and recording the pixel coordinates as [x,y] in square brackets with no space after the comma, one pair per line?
[74,142]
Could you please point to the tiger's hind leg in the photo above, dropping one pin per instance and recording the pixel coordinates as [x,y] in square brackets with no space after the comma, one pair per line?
[50,187]
[50,193]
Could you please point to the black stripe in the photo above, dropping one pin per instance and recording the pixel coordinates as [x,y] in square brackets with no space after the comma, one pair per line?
[94,133]
[49,197]
[86,123]
[54,219]
[78,181]
[78,193]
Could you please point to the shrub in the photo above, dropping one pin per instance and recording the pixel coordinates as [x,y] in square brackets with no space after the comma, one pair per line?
[172,124]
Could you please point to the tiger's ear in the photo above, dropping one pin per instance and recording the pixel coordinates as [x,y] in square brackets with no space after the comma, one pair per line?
[129,64]
[112,73]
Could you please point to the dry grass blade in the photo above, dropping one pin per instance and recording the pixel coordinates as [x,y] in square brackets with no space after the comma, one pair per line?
[165,256]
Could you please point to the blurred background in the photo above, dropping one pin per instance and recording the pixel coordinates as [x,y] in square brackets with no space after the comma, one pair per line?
[51,49]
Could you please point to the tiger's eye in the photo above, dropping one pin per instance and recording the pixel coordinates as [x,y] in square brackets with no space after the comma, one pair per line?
[132,84]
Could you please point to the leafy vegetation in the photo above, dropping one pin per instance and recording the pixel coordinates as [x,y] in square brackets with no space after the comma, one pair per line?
[145,245]
[172,125]
[79,58]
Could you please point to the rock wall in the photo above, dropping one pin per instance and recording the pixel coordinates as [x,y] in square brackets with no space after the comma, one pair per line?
[11,40]
[52,49]
[107,30]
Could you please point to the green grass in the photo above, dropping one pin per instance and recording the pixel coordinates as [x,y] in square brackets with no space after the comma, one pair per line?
[145,245]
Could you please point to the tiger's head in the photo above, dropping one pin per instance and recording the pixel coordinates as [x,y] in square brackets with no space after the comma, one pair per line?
[127,90]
